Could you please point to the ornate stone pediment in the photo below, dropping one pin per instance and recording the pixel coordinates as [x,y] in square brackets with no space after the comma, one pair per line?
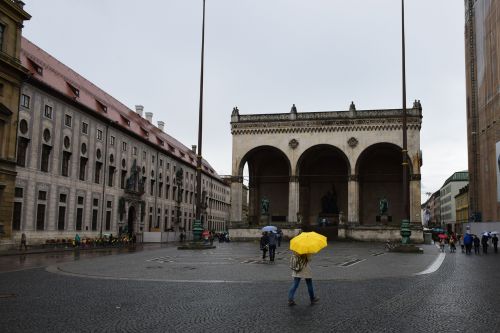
[135,184]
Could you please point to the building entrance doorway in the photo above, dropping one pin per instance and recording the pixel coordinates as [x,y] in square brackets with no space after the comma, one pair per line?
[131,220]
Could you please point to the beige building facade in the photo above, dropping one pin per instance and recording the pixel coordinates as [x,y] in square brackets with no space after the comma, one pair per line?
[87,164]
[338,172]
[482,54]
[12,73]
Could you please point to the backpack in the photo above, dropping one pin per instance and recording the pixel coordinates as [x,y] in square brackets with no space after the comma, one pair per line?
[297,263]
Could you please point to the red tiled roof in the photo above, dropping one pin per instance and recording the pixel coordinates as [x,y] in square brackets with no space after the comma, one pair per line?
[50,71]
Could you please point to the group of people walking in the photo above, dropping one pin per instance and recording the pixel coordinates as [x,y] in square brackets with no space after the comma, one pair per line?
[268,242]
[469,241]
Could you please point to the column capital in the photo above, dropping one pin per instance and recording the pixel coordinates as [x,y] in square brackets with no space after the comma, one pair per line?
[236,179]
[353,178]
[416,176]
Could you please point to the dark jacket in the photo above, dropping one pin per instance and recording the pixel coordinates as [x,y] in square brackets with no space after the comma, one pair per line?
[264,240]
[273,239]
[495,239]
[476,241]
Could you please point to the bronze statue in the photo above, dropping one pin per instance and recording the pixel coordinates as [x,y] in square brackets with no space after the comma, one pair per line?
[264,206]
[383,206]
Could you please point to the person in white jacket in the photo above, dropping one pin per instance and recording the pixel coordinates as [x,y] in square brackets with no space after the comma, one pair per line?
[304,271]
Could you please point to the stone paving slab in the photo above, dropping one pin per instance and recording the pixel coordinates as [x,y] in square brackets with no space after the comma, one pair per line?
[242,262]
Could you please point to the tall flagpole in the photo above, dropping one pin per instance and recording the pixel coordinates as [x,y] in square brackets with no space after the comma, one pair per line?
[405,224]
[200,131]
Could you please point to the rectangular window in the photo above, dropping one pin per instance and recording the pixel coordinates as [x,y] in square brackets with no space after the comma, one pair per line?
[85,128]
[108,220]
[67,120]
[16,219]
[79,218]
[25,101]
[134,151]
[94,219]
[48,112]
[96,202]
[112,140]
[152,158]
[152,188]
[62,198]
[45,158]
[22,147]
[160,188]
[123,178]
[42,195]
[109,204]
[99,134]
[62,218]
[143,155]
[167,191]
[65,163]
[124,146]
[83,167]
[161,162]
[2,30]
[111,175]
[97,173]
[40,217]
[80,200]
[18,192]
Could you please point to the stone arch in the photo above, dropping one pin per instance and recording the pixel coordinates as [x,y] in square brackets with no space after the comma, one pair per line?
[269,174]
[323,171]
[252,152]
[380,175]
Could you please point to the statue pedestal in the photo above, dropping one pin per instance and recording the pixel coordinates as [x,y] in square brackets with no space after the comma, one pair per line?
[326,219]
[384,219]
[265,220]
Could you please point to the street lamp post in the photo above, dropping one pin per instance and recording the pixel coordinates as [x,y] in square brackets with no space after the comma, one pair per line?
[197,226]
[405,223]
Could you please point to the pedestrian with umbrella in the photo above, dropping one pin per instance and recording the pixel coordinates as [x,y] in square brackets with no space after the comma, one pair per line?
[264,244]
[484,242]
[303,246]
[494,240]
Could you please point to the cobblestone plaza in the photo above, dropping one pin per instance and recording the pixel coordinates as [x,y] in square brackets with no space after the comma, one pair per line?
[361,287]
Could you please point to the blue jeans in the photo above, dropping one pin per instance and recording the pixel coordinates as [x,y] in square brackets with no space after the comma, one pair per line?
[295,285]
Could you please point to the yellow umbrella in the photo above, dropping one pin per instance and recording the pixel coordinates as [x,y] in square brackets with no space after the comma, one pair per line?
[308,242]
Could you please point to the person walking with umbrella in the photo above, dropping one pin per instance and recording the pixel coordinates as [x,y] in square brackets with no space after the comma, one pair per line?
[273,239]
[484,242]
[303,246]
[494,240]
[264,244]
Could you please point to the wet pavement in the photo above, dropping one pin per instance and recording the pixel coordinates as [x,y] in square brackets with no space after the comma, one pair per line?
[43,257]
[361,289]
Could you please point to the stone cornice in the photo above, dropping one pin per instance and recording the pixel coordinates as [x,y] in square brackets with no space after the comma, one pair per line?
[332,121]
[329,115]
[360,125]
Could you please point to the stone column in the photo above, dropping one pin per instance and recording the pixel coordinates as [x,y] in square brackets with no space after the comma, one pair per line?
[415,210]
[293,199]
[236,197]
[353,200]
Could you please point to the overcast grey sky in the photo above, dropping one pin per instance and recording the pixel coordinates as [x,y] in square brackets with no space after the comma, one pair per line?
[265,55]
